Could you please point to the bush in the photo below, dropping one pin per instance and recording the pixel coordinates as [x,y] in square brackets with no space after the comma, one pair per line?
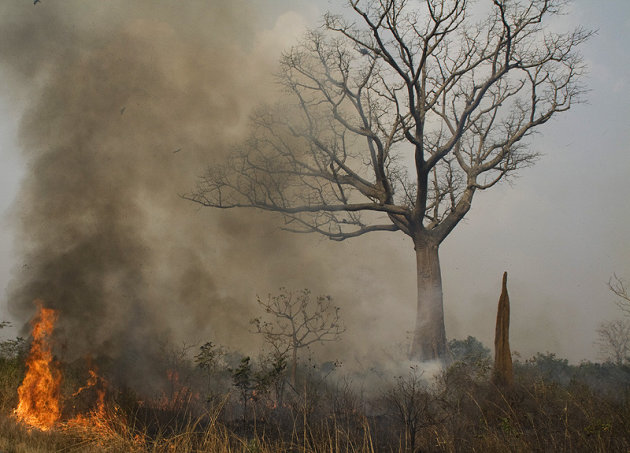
[553,406]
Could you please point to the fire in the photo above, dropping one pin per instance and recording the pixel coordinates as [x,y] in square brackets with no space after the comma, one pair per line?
[39,403]
[96,415]
[177,392]
[93,382]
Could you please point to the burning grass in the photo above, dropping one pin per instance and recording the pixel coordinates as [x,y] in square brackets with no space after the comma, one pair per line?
[458,412]
[39,403]
[236,405]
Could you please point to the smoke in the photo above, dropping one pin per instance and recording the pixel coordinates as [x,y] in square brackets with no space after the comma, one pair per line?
[125,104]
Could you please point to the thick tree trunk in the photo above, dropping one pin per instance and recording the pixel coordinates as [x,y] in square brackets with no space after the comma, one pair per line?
[429,340]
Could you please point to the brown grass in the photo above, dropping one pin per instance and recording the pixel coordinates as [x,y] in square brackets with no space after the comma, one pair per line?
[461,411]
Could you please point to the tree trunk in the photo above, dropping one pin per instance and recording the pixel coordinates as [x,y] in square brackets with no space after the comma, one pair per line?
[294,366]
[429,340]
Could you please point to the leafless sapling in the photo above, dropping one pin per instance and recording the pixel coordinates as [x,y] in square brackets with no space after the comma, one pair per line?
[614,340]
[413,405]
[614,336]
[295,321]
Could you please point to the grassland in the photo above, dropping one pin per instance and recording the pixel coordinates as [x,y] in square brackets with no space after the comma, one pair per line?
[225,407]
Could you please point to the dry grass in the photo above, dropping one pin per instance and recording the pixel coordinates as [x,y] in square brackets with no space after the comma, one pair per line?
[460,412]
[537,418]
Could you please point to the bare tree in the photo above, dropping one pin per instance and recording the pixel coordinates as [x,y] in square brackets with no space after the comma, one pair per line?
[620,289]
[397,117]
[614,340]
[412,404]
[614,336]
[296,321]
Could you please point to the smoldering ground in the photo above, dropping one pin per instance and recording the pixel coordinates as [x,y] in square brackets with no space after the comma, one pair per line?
[123,107]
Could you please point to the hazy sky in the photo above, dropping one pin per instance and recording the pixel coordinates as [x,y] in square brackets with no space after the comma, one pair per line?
[560,230]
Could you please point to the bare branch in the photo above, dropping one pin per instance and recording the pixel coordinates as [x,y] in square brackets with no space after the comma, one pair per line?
[294,321]
[406,82]
[394,119]
[620,289]
[614,341]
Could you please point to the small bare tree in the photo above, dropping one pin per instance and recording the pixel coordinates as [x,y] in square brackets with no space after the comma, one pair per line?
[614,336]
[412,404]
[399,113]
[614,340]
[295,321]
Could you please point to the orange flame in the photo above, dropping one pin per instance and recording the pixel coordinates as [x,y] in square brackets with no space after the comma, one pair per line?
[93,382]
[38,404]
[177,395]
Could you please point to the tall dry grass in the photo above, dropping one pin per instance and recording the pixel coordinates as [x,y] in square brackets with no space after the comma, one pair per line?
[552,407]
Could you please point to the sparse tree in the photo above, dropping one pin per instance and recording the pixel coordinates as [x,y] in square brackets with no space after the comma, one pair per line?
[211,359]
[397,116]
[470,351]
[254,382]
[295,321]
[620,289]
[274,376]
[243,379]
[614,336]
[614,340]
[412,404]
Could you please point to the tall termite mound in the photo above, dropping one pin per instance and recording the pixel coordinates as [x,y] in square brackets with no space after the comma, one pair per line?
[503,373]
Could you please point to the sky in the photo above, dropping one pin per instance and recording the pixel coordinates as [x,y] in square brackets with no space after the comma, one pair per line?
[560,229]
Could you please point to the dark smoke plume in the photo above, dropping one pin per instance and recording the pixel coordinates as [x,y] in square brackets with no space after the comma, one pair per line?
[125,103]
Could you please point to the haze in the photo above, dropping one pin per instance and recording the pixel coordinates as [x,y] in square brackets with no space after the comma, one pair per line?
[96,99]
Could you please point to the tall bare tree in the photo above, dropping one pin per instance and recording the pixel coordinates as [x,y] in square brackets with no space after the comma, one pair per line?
[398,113]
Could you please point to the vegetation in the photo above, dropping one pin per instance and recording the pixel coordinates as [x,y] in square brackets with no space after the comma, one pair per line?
[553,406]
[294,322]
[614,336]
